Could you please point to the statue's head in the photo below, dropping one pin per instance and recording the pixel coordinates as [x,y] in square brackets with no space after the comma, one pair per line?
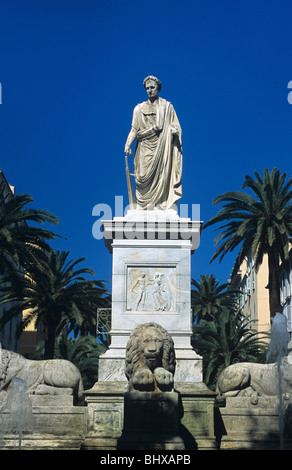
[152,86]
[154,79]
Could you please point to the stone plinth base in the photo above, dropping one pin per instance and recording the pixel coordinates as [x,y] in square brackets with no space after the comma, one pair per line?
[183,419]
[151,421]
[255,427]
[105,411]
[191,410]
[197,422]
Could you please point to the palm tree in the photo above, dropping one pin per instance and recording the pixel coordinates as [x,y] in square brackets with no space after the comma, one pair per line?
[60,292]
[209,297]
[22,245]
[84,352]
[260,225]
[225,341]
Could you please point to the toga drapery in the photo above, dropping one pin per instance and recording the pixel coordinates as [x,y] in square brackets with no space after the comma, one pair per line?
[158,155]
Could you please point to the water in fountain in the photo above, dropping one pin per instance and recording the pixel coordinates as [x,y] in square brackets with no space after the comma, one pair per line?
[16,413]
[280,337]
[278,348]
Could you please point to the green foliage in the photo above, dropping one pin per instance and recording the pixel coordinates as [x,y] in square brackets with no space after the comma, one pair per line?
[209,297]
[57,296]
[84,352]
[226,340]
[54,290]
[222,335]
[22,245]
[260,225]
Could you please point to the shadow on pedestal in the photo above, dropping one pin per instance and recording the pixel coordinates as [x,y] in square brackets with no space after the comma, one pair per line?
[152,421]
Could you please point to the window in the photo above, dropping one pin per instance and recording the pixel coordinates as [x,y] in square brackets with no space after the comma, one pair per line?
[253,279]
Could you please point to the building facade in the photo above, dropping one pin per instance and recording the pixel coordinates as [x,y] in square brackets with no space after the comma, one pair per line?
[254,297]
[285,293]
[8,338]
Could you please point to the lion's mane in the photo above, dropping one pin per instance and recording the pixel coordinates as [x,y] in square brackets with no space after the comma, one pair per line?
[135,358]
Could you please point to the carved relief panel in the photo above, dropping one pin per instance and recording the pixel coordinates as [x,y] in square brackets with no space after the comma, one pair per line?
[151,288]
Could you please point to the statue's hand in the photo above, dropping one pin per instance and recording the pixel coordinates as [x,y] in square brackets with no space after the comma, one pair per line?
[128,151]
[174,130]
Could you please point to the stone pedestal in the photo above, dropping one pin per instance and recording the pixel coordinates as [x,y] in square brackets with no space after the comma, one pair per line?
[118,419]
[105,415]
[151,421]
[198,420]
[255,427]
[151,282]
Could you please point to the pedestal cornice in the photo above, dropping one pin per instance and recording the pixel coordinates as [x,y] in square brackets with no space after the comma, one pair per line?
[151,227]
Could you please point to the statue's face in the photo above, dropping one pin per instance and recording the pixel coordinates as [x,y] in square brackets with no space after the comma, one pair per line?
[152,346]
[151,88]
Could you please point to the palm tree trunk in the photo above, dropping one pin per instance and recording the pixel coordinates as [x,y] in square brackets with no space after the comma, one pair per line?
[50,336]
[274,281]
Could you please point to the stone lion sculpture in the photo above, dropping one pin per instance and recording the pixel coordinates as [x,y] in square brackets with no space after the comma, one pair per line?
[47,377]
[254,380]
[150,358]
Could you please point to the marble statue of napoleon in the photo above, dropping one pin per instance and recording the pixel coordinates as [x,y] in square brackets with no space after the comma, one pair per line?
[158,154]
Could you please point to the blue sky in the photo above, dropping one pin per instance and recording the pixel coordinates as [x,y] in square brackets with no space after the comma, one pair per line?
[72,72]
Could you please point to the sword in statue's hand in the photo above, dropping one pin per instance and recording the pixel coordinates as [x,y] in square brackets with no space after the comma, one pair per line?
[132,200]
